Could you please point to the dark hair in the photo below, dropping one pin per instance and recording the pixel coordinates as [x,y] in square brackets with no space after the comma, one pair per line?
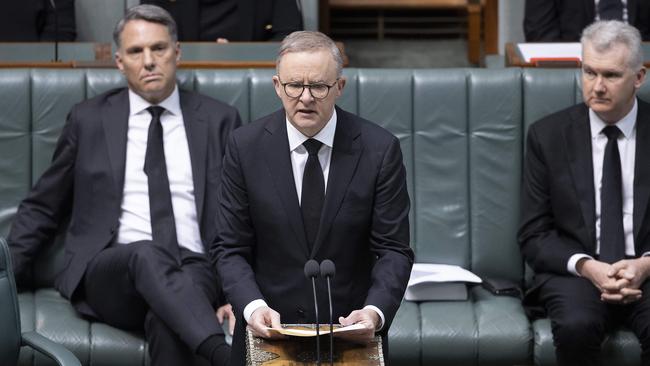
[150,13]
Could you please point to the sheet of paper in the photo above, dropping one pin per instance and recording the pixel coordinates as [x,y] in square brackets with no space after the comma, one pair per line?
[550,50]
[302,331]
[428,272]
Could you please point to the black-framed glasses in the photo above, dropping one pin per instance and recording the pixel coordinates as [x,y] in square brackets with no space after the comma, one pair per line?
[317,90]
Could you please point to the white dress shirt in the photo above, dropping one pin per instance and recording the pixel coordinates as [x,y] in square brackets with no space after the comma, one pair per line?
[626,148]
[299,155]
[135,219]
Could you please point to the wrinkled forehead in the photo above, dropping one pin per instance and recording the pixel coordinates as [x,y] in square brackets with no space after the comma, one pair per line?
[317,63]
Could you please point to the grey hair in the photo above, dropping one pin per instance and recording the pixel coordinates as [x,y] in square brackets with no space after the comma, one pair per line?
[604,35]
[309,41]
[149,13]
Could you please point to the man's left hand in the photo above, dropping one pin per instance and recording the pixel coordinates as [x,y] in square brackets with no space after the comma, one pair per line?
[370,321]
[225,312]
[635,270]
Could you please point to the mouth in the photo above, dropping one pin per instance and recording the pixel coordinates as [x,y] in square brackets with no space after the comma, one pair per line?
[306,111]
[151,77]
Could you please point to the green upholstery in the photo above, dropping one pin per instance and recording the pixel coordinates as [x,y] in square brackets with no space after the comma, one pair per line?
[462,135]
[12,336]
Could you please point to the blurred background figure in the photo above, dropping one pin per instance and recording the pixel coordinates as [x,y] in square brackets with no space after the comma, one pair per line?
[564,20]
[233,20]
[36,20]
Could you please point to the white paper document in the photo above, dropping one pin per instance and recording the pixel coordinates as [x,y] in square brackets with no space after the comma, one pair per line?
[550,51]
[303,331]
[438,282]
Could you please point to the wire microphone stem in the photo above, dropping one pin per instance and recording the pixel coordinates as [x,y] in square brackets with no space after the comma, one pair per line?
[329,295]
[313,282]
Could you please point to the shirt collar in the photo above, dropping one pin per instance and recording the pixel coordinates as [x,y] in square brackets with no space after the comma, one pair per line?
[137,104]
[326,135]
[626,124]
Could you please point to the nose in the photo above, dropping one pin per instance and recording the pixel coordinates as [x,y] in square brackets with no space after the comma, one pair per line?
[306,97]
[599,85]
[148,59]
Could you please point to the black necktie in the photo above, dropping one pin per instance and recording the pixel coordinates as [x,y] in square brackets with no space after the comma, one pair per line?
[313,191]
[610,9]
[163,227]
[612,238]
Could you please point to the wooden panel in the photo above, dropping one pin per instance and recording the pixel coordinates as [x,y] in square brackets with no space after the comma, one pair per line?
[491,26]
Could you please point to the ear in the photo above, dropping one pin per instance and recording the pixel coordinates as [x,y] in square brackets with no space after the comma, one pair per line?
[118,62]
[340,85]
[640,78]
[278,86]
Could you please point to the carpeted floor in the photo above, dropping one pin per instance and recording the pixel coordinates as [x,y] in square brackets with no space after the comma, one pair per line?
[400,53]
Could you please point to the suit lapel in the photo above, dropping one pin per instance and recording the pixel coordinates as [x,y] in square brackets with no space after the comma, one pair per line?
[641,171]
[278,159]
[578,145]
[196,130]
[345,157]
[115,121]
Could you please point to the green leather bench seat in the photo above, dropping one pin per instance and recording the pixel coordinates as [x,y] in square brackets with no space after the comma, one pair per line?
[462,134]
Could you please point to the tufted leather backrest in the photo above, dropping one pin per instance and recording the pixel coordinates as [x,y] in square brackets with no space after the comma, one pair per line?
[10,337]
[462,133]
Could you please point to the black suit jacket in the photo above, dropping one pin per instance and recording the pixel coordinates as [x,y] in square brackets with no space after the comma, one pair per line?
[86,179]
[564,20]
[258,20]
[558,204]
[34,20]
[261,248]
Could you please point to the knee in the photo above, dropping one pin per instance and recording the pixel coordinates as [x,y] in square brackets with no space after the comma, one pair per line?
[579,331]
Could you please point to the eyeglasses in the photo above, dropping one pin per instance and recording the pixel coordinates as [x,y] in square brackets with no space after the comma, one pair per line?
[317,90]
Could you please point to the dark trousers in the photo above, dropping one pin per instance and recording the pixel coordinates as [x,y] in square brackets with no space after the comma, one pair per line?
[580,320]
[139,284]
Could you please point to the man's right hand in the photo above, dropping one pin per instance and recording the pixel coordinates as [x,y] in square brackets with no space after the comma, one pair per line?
[262,318]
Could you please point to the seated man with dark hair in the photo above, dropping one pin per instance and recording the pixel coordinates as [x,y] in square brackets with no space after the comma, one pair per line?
[564,20]
[37,20]
[136,171]
[233,20]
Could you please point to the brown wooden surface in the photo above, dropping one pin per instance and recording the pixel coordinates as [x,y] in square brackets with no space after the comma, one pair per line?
[302,351]
[474,33]
[49,65]
[491,26]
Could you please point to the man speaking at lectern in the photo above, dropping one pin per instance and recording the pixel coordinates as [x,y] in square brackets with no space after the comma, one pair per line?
[312,181]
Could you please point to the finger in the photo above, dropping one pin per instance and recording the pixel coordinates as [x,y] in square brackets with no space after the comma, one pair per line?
[231,322]
[220,316]
[613,298]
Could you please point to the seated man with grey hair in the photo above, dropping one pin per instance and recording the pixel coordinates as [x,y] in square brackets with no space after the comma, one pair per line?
[312,181]
[136,173]
[585,227]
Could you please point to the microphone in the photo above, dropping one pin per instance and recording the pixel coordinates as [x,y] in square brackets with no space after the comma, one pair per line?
[328,270]
[56,31]
[311,272]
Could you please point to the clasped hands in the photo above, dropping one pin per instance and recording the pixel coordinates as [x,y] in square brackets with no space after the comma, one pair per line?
[265,317]
[620,282]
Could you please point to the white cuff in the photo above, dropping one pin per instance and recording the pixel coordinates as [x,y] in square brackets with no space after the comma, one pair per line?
[381,316]
[251,307]
[573,261]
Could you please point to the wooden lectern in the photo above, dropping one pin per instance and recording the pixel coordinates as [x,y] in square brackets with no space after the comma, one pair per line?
[302,351]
